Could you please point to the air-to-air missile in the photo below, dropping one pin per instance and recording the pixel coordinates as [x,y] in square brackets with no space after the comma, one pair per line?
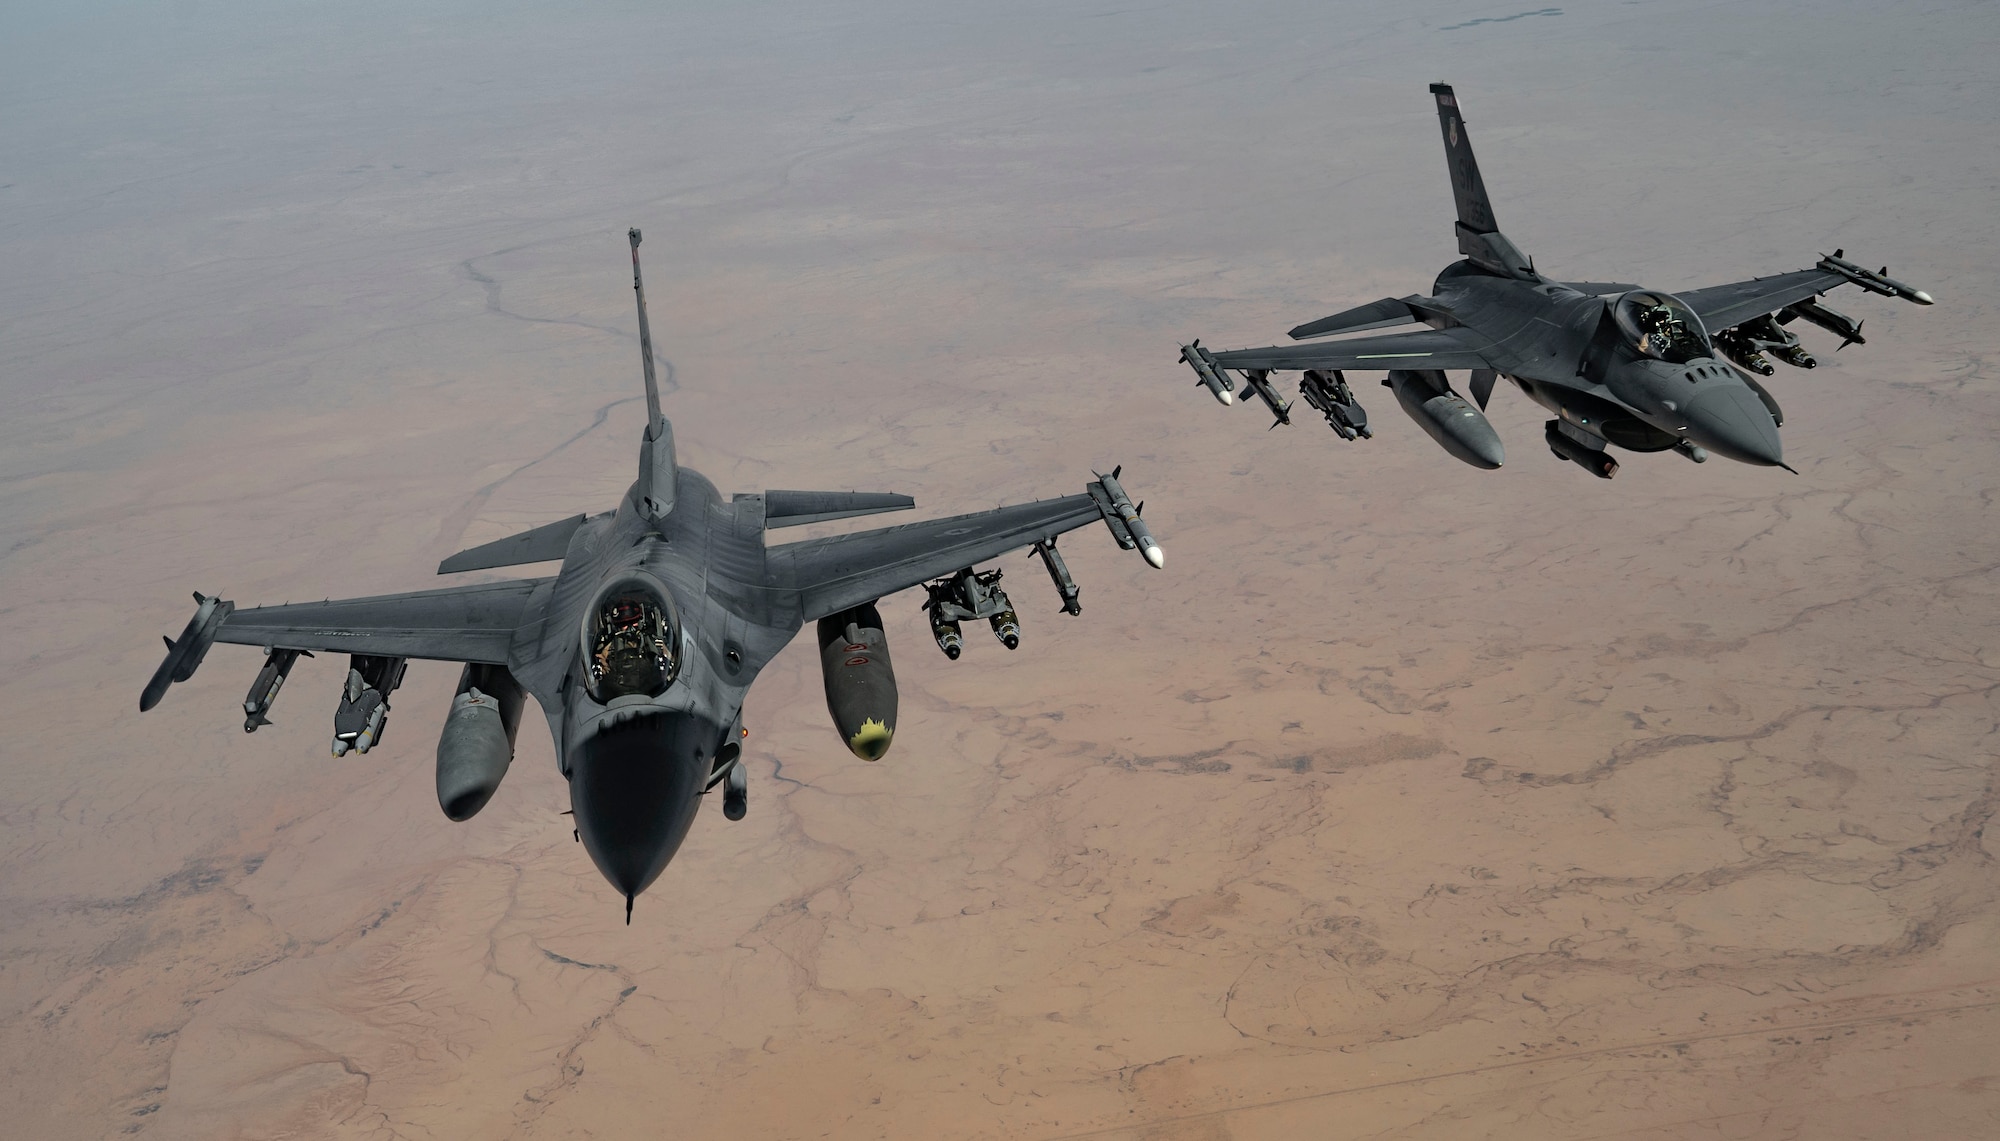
[1447,417]
[1259,381]
[1058,570]
[1873,280]
[1216,380]
[477,744]
[860,682]
[1826,317]
[184,654]
[1327,392]
[1128,515]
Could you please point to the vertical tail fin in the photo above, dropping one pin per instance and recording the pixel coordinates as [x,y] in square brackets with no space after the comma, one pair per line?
[1479,237]
[658,469]
[645,337]
[1475,211]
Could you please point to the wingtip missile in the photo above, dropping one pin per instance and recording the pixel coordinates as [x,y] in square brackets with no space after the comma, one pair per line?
[184,654]
[1123,519]
[1207,373]
[1874,280]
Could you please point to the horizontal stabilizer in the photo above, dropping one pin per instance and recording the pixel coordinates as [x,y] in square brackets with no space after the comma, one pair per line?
[543,544]
[1374,315]
[1600,288]
[797,508]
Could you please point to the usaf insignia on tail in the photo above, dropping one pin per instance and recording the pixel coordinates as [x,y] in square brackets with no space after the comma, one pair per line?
[1616,364]
[640,650]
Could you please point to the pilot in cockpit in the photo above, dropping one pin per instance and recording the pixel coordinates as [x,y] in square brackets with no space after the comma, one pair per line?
[1662,333]
[631,654]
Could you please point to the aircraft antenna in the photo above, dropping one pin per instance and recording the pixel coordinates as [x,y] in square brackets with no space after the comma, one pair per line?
[645,342]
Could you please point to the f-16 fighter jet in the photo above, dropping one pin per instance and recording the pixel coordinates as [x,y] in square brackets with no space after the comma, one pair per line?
[640,650]
[1645,370]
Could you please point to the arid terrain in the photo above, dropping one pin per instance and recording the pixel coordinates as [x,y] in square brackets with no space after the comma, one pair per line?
[1409,801]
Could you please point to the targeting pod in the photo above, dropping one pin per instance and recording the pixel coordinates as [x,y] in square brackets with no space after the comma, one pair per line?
[263,693]
[1873,280]
[1259,381]
[1207,372]
[1059,574]
[1123,518]
[1328,393]
[1583,454]
[1826,317]
[184,654]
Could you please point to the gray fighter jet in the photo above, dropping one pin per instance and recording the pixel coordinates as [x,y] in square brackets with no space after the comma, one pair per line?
[641,648]
[1616,364]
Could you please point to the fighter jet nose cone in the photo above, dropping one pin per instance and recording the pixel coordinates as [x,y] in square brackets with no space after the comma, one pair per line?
[634,788]
[1730,421]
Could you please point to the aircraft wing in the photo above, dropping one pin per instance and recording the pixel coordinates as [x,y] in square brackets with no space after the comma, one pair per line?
[1427,348]
[456,624]
[848,570]
[1727,306]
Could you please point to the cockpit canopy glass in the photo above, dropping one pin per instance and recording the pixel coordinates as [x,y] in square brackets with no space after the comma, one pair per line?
[631,642]
[1661,326]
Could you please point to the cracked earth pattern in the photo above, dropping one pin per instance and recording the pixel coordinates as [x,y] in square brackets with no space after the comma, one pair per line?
[1410,801]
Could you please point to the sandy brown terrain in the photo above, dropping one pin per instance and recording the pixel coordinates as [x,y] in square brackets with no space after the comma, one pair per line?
[1410,801]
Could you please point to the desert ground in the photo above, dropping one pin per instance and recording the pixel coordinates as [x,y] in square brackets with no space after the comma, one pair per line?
[1409,800]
